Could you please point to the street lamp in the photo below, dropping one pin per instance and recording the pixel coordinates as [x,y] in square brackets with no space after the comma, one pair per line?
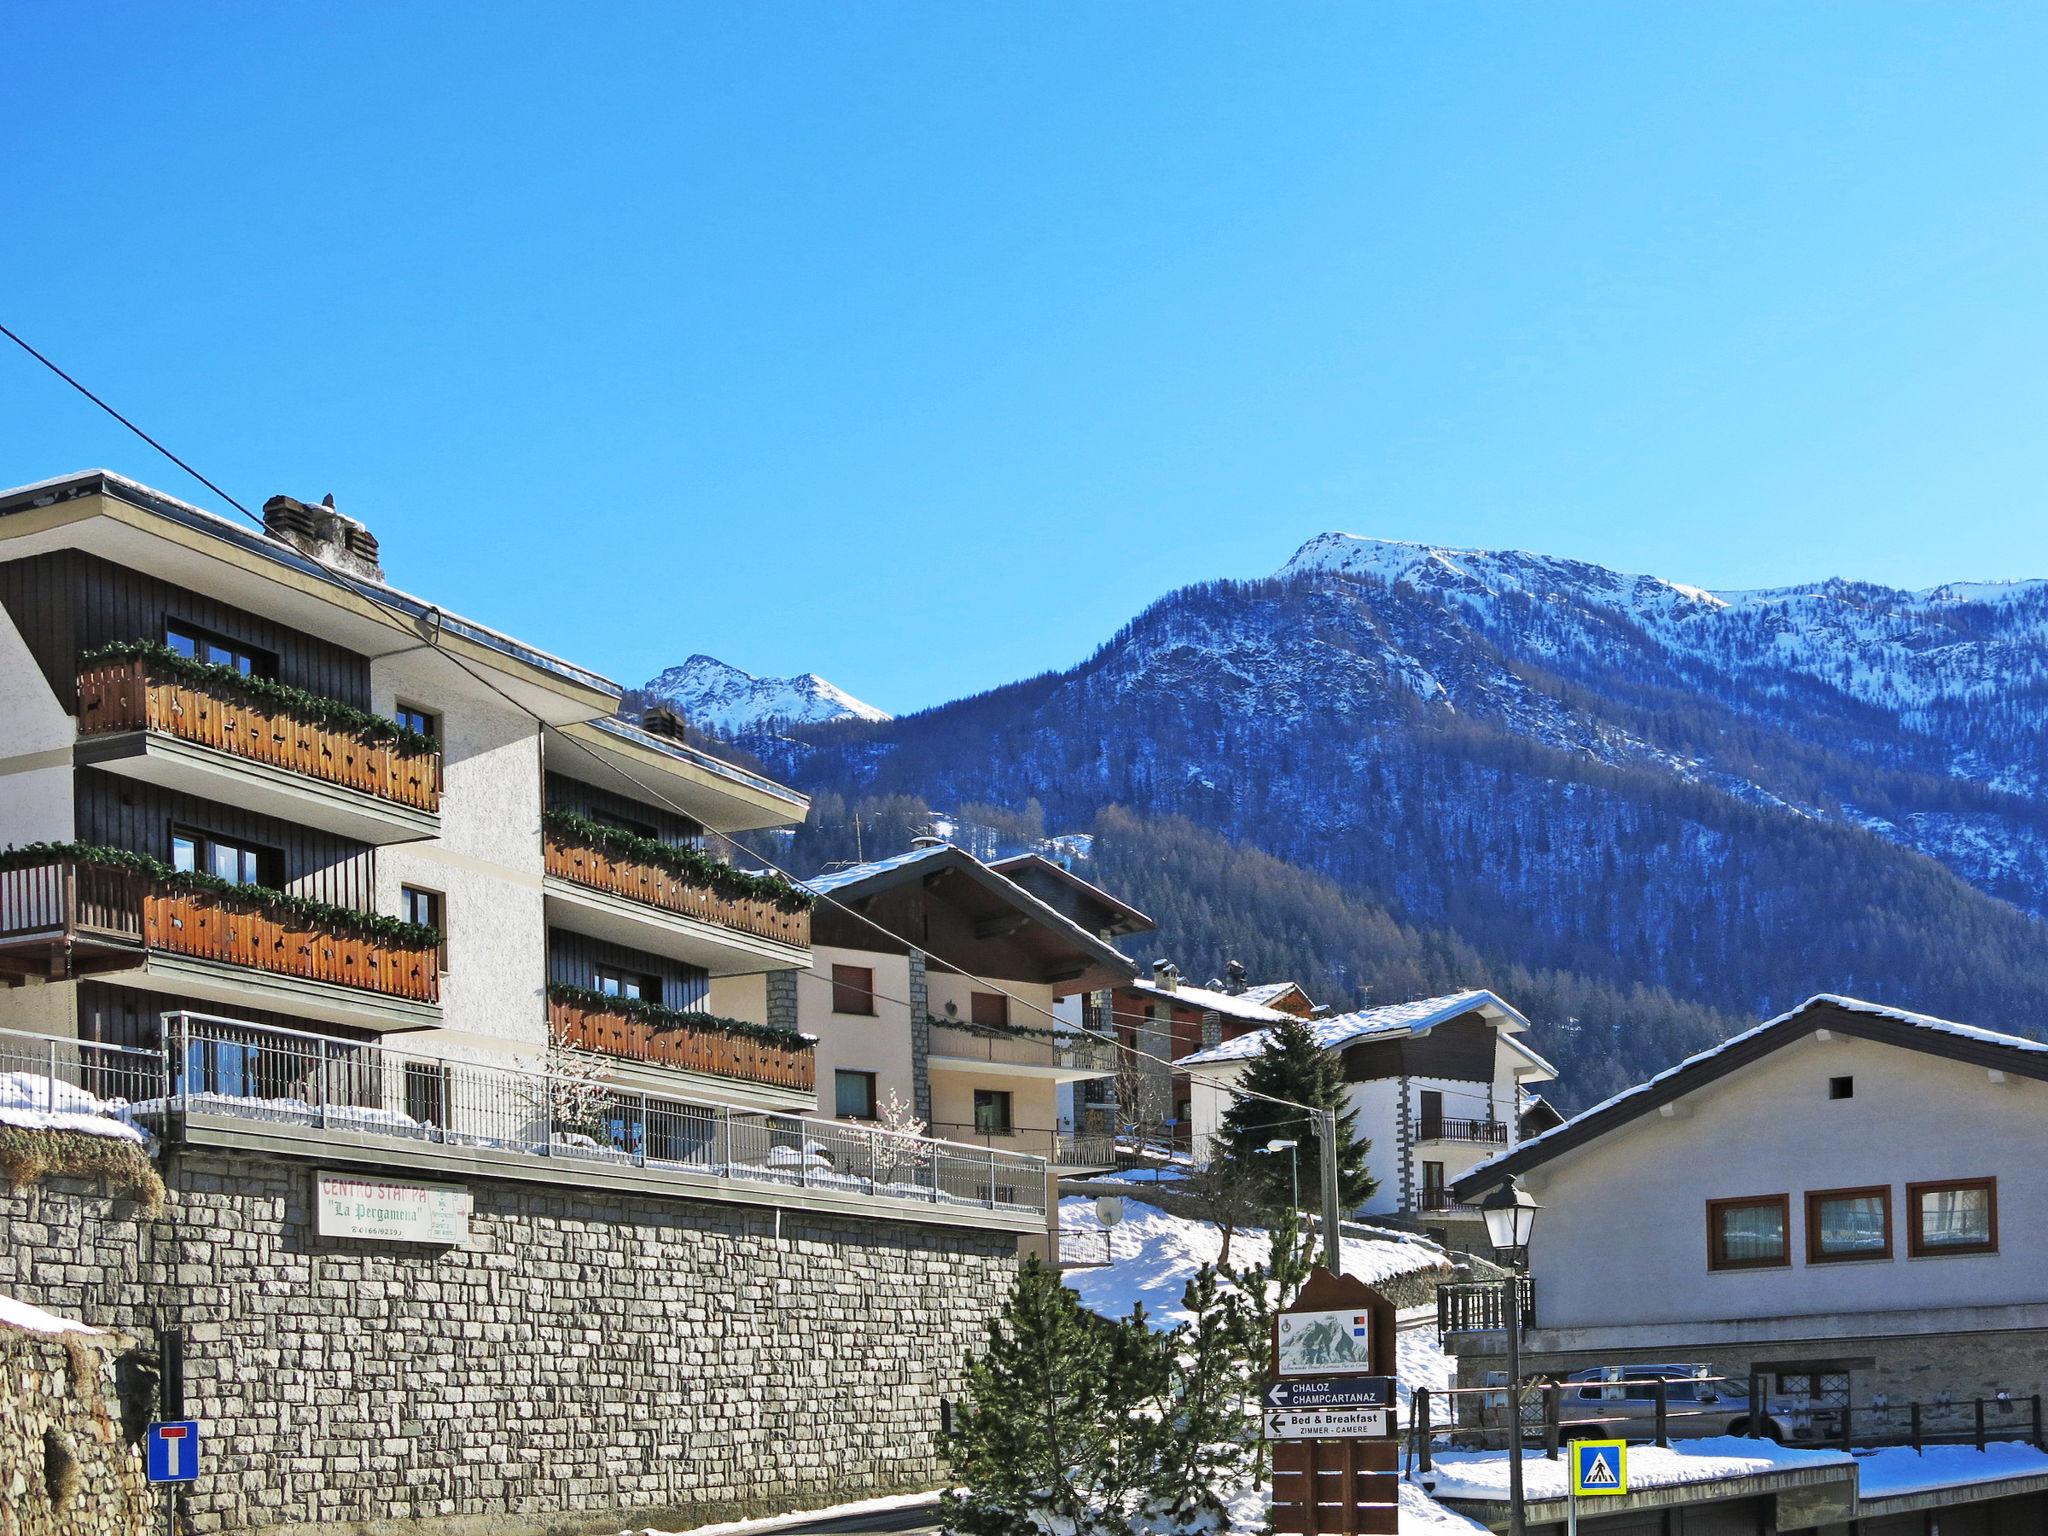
[1510,1213]
[1291,1148]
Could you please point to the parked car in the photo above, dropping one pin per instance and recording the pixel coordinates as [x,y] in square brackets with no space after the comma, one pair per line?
[1619,1402]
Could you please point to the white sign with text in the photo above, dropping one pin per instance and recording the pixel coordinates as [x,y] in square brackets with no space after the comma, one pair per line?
[347,1205]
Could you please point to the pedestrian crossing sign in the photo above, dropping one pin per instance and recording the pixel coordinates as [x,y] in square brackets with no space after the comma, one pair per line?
[1599,1467]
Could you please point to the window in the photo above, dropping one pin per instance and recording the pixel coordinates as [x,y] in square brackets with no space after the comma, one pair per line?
[625,824]
[203,645]
[416,904]
[853,989]
[1841,1087]
[991,1112]
[1750,1233]
[225,858]
[1434,1197]
[633,986]
[426,1092]
[1432,1114]
[853,1095]
[424,722]
[990,1009]
[1953,1216]
[1844,1224]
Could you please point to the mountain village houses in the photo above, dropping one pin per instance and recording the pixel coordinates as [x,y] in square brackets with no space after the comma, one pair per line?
[435,991]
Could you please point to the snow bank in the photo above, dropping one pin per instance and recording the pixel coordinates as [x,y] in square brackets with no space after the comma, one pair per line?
[19,1314]
[1901,1469]
[38,1103]
[1484,1474]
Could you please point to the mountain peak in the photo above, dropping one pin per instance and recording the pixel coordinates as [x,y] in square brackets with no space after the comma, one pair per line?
[717,696]
[1485,572]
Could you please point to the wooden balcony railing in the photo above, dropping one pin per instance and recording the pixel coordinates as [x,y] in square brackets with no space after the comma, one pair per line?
[1481,1306]
[1450,1128]
[125,695]
[70,900]
[713,1051]
[638,880]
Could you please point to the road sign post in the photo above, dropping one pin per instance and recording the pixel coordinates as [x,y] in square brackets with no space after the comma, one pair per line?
[171,1451]
[1599,1469]
[1330,1412]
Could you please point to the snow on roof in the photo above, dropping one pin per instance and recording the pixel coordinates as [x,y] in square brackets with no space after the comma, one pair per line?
[1820,999]
[1900,1469]
[838,879]
[1233,1003]
[1387,1022]
[1484,1474]
[1264,993]
[19,1314]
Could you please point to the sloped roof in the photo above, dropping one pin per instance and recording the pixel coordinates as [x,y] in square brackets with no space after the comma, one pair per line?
[1264,993]
[1134,920]
[859,874]
[1825,1010]
[1387,1022]
[1231,1004]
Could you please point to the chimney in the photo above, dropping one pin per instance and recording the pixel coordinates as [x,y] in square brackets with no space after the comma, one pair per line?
[323,534]
[1166,975]
[1233,977]
[662,720]
[926,840]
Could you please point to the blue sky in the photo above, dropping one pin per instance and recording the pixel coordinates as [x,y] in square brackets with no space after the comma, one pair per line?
[923,346]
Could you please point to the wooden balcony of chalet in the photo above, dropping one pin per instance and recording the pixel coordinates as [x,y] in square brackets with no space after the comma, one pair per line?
[685,1046]
[69,916]
[143,717]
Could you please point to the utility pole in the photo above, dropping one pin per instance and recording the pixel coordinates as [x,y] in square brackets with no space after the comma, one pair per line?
[1325,1121]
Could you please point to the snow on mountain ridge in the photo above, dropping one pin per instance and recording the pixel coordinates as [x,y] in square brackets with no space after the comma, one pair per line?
[716,696]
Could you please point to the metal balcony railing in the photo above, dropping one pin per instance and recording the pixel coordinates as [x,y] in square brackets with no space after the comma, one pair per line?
[1450,1128]
[222,1067]
[1063,1149]
[1064,1052]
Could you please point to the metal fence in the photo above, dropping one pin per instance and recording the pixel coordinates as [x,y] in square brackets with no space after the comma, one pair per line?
[258,1072]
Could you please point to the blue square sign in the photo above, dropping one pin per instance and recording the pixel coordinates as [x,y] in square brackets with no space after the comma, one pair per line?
[171,1451]
[1599,1467]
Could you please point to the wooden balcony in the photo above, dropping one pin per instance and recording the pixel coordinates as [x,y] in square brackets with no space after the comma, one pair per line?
[129,695]
[714,1052]
[1451,1128]
[649,884]
[71,916]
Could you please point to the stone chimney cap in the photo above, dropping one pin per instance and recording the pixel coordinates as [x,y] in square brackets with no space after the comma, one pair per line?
[321,533]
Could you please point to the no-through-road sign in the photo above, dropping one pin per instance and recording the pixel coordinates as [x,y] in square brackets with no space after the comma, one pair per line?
[171,1451]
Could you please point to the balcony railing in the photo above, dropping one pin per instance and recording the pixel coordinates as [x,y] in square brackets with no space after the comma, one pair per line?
[130,695]
[1478,1306]
[1449,1128]
[613,1032]
[260,1074]
[68,900]
[1063,1149]
[642,881]
[1439,1202]
[1016,1048]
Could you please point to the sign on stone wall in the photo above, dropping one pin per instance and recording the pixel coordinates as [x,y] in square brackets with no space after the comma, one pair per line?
[380,1211]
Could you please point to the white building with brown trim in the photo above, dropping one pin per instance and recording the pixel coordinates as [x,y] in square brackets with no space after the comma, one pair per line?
[1849,1199]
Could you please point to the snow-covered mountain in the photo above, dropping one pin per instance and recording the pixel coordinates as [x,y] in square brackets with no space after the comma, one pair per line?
[718,697]
[1743,797]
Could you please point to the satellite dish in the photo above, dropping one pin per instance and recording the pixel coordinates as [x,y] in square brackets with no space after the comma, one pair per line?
[1109,1209]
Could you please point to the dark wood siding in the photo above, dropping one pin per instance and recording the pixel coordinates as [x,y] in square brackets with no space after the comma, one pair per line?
[566,794]
[126,813]
[573,958]
[1461,1050]
[128,1016]
[65,602]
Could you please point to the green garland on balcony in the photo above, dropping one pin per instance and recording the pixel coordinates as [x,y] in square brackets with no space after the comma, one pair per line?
[293,701]
[392,932]
[654,1014]
[686,863]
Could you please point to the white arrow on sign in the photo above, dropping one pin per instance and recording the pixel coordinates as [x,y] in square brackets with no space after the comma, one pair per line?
[1330,1424]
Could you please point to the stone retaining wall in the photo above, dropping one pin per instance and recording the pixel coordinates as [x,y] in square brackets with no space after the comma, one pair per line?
[586,1360]
[66,1465]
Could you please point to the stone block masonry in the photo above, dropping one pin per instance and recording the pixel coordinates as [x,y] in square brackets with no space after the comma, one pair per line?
[586,1360]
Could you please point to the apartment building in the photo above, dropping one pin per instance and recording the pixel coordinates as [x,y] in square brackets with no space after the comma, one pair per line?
[247,778]
[1439,1085]
[894,1002]
[1846,1201]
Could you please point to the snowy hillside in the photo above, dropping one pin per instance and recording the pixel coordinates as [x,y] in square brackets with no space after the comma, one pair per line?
[715,696]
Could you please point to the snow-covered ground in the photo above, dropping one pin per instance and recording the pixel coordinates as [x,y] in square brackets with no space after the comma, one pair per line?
[769,1523]
[1901,1469]
[39,1103]
[1484,1474]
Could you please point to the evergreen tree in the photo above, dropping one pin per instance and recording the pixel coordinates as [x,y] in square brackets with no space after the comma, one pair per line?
[1294,1067]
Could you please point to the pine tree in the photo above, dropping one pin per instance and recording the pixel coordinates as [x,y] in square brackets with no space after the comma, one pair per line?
[1295,1068]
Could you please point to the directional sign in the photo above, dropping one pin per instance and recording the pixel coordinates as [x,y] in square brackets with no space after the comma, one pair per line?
[1331,1392]
[1599,1467]
[1330,1424]
[171,1451]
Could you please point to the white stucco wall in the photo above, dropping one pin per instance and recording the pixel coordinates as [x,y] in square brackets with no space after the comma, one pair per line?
[486,862]
[36,737]
[1623,1238]
[880,1045]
